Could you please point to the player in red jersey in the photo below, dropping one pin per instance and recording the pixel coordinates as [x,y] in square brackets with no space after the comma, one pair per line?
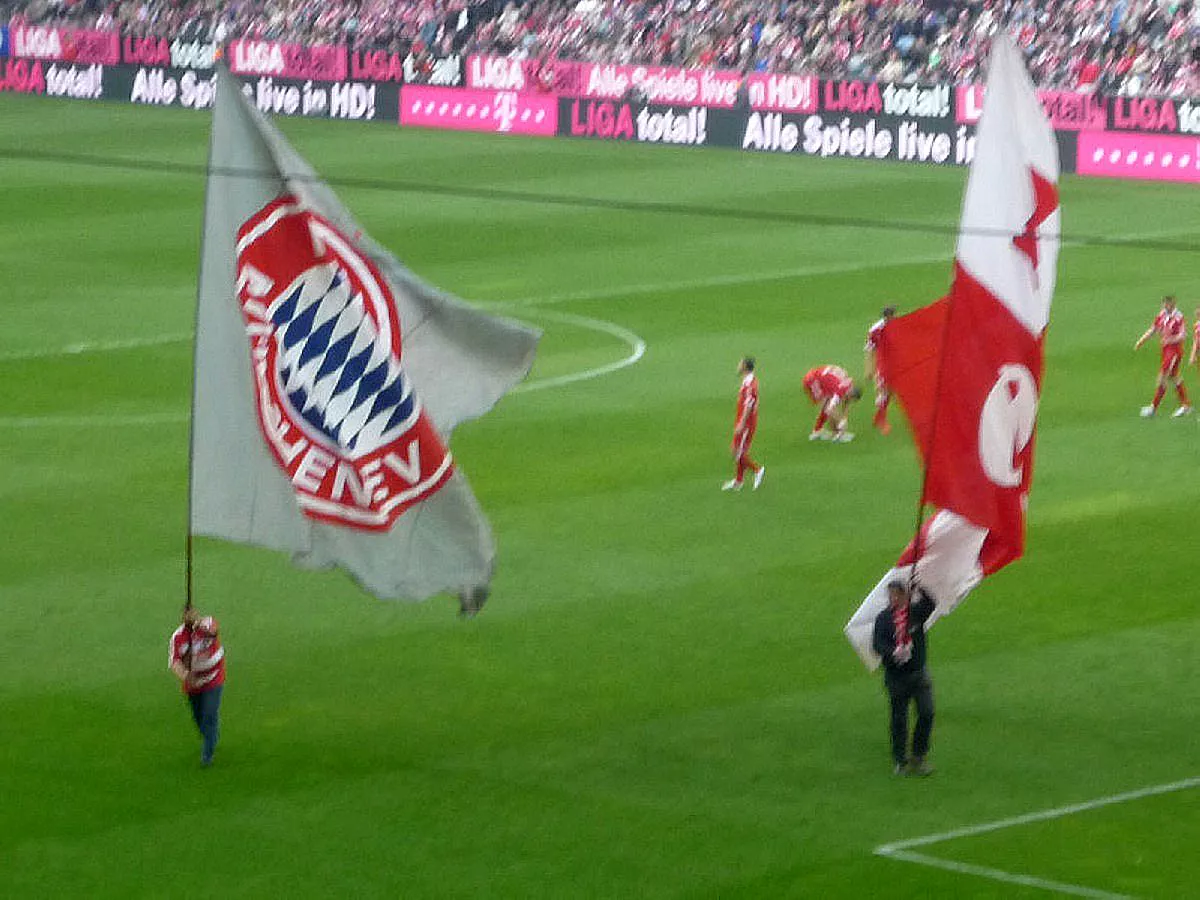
[198,661]
[833,391]
[883,396]
[1171,328]
[1195,339]
[744,426]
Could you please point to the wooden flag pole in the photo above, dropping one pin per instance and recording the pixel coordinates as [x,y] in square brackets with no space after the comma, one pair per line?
[919,535]
[188,591]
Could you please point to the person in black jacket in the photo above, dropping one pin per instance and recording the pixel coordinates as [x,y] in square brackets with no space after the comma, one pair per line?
[899,639]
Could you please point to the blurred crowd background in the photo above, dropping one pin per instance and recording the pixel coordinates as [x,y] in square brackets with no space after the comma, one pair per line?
[1129,47]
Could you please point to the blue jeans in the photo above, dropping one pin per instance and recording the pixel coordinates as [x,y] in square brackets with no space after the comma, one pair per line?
[206,708]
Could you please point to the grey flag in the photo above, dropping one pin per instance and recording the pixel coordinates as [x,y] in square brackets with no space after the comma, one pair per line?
[457,363]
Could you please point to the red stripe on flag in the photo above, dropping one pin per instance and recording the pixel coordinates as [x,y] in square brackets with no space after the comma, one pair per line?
[968,375]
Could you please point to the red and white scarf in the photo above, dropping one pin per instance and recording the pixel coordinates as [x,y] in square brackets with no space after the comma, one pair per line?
[900,623]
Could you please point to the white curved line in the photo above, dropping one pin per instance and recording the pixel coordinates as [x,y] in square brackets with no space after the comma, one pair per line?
[600,294]
[636,344]
[637,348]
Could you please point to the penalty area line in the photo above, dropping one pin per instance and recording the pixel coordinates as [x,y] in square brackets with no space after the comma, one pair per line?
[903,850]
[1045,884]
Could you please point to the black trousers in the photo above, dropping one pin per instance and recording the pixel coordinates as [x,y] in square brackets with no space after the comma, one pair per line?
[905,688]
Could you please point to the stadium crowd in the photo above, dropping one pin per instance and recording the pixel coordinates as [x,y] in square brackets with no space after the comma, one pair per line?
[1143,47]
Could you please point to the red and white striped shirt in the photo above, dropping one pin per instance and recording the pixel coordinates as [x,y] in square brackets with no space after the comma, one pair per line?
[873,335]
[827,382]
[207,660]
[747,404]
[1171,327]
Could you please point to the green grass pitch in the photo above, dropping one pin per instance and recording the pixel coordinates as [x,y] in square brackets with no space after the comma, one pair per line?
[658,701]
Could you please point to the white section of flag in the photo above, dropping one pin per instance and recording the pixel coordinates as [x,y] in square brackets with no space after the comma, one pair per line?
[1013,136]
[948,568]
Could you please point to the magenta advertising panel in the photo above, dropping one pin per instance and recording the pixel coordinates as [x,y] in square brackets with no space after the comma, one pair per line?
[175,54]
[660,84]
[1123,155]
[714,88]
[77,82]
[782,93]
[499,73]
[913,101]
[1066,110]
[385,66]
[615,120]
[465,109]
[322,62]
[1153,114]
[73,45]
[22,76]
[376,65]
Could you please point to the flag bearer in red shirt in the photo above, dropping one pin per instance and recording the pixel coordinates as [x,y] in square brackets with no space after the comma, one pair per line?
[198,661]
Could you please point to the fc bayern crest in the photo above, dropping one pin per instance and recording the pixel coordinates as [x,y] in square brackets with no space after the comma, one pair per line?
[334,402]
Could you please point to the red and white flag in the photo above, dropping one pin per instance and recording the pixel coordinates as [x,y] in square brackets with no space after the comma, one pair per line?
[968,368]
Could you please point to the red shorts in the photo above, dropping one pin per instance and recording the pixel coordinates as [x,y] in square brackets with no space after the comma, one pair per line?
[1172,359]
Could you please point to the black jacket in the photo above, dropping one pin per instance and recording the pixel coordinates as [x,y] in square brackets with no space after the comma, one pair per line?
[884,638]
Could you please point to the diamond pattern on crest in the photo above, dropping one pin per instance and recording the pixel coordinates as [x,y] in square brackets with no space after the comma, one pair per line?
[336,371]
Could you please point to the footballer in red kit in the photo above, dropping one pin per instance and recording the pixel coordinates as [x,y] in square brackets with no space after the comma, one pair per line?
[744,425]
[1195,339]
[1171,328]
[833,390]
[883,396]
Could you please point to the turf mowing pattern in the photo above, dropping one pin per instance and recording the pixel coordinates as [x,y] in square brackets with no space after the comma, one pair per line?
[657,701]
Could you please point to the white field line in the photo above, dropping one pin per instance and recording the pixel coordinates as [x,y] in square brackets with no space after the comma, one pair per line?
[600,294]
[597,324]
[902,850]
[637,349]
[1057,887]
[95,347]
[20,423]
[633,290]
[609,293]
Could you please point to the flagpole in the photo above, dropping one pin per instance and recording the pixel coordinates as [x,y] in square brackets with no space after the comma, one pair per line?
[191,457]
[187,587]
[918,536]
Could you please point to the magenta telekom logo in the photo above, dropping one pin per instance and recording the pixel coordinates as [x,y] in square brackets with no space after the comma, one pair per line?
[1141,156]
[469,109]
[334,402]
